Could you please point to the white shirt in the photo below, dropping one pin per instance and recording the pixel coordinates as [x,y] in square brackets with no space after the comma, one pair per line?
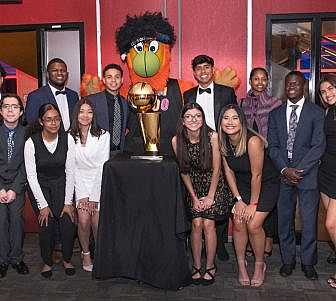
[297,111]
[29,157]
[206,101]
[62,103]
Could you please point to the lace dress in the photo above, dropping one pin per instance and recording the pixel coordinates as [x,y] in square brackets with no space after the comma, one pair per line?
[201,181]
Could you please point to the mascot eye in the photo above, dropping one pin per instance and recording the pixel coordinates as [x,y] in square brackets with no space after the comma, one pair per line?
[154,46]
[139,47]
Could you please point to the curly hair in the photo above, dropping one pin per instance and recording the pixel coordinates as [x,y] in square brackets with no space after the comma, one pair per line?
[142,28]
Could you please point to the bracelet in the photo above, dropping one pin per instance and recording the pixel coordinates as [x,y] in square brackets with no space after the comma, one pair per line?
[237,198]
[254,204]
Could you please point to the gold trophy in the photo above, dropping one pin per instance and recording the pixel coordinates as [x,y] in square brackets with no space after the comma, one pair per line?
[143,98]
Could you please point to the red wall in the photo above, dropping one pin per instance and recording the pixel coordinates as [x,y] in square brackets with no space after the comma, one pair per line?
[53,11]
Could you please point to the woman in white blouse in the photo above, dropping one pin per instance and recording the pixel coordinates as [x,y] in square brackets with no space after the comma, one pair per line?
[92,147]
[49,161]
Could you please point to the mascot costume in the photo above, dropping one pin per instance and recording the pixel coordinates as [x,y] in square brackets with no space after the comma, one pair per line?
[144,43]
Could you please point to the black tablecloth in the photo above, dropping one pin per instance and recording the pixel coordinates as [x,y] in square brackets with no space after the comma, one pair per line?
[142,223]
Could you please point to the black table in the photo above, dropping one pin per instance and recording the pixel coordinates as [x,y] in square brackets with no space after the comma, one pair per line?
[142,223]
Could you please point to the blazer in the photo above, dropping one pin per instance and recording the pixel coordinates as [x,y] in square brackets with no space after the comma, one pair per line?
[13,174]
[44,95]
[99,101]
[223,96]
[309,143]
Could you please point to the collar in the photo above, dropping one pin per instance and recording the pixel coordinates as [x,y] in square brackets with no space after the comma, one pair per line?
[53,89]
[299,103]
[211,86]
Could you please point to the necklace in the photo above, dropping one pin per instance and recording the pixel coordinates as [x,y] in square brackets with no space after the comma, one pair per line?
[233,148]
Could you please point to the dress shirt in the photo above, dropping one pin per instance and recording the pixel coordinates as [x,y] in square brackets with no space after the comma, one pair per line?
[62,103]
[29,157]
[297,111]
[206,101]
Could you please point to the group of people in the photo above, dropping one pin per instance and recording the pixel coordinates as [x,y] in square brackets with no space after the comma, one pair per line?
[249,160]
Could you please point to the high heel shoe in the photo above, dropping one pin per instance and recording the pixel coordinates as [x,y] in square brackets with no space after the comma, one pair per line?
[87,268]
[211,272]
[196,281]
[241,280]
[259,282]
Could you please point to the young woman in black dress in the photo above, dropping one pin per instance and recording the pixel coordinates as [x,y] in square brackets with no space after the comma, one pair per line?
[197,152]
[327,171]
[254,182]
[50,165]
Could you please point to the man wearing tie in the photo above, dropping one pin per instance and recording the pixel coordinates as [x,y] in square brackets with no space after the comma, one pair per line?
[296,141]
[111,108]
[212,98]
[54,92]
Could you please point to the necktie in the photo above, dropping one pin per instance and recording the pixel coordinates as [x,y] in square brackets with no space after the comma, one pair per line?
[116,122]
[201,91]
[10,145]
[60,92]
[293,121]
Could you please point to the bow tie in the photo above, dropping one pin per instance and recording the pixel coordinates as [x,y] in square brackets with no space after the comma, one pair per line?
[201,91]
[60,92]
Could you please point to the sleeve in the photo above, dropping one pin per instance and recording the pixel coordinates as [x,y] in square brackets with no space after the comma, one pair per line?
[20,179]
[70,171]
[318,144]
[102,157]
[274,143]
[29,158]
[30,114]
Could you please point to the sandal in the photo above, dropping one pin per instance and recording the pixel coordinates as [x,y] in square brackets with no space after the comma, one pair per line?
[196,281]
[242,281]
[268,253]
[332,281]
[258,282]
[211,274]
[87,268]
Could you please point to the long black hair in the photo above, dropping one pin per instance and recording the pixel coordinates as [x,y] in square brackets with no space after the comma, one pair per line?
[75,130]
[36,127]
[182,141]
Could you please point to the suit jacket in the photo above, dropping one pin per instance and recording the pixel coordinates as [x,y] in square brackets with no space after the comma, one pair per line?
[13,174]
[223,96]
[99,101]
[309,143]
[44,95]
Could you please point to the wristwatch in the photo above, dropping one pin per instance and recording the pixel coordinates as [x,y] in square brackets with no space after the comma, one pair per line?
[237,198]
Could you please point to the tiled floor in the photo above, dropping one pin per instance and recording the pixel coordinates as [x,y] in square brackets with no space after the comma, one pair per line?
[81,287]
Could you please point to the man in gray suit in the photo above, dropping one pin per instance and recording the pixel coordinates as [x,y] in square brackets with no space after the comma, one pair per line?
[12,185]
[296,142]
[111,108]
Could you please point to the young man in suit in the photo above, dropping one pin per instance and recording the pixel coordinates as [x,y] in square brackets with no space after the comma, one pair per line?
[111,108]
[54,92]
[212,98]
[296,141]
[12,185]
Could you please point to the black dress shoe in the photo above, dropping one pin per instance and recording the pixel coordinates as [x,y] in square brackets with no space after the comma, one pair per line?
[3,270]
[222,253]
[21,268]
[309,272]
[287,270]
[70,271]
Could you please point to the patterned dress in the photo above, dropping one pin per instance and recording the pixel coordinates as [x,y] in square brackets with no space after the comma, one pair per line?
[201,181]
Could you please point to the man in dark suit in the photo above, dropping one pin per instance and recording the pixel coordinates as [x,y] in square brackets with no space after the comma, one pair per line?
[12,185]
[296,143]
[54,92]
[111,108]
[212,98]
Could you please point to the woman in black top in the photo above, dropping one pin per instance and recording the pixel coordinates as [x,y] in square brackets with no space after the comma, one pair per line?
[49,166]
[253,181]
[327,171]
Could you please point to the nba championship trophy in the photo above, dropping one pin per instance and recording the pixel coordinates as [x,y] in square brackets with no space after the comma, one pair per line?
[143,98]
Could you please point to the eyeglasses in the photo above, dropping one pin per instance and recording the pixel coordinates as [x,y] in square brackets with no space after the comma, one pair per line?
[12,107]
[189,117]
[50,120]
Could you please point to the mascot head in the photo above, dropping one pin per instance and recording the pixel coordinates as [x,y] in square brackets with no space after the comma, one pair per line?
[145,42]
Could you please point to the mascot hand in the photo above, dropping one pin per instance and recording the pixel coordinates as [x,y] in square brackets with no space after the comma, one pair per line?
[227,77]
[90,84]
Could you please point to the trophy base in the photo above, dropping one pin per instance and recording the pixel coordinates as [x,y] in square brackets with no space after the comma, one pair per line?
[148,157]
